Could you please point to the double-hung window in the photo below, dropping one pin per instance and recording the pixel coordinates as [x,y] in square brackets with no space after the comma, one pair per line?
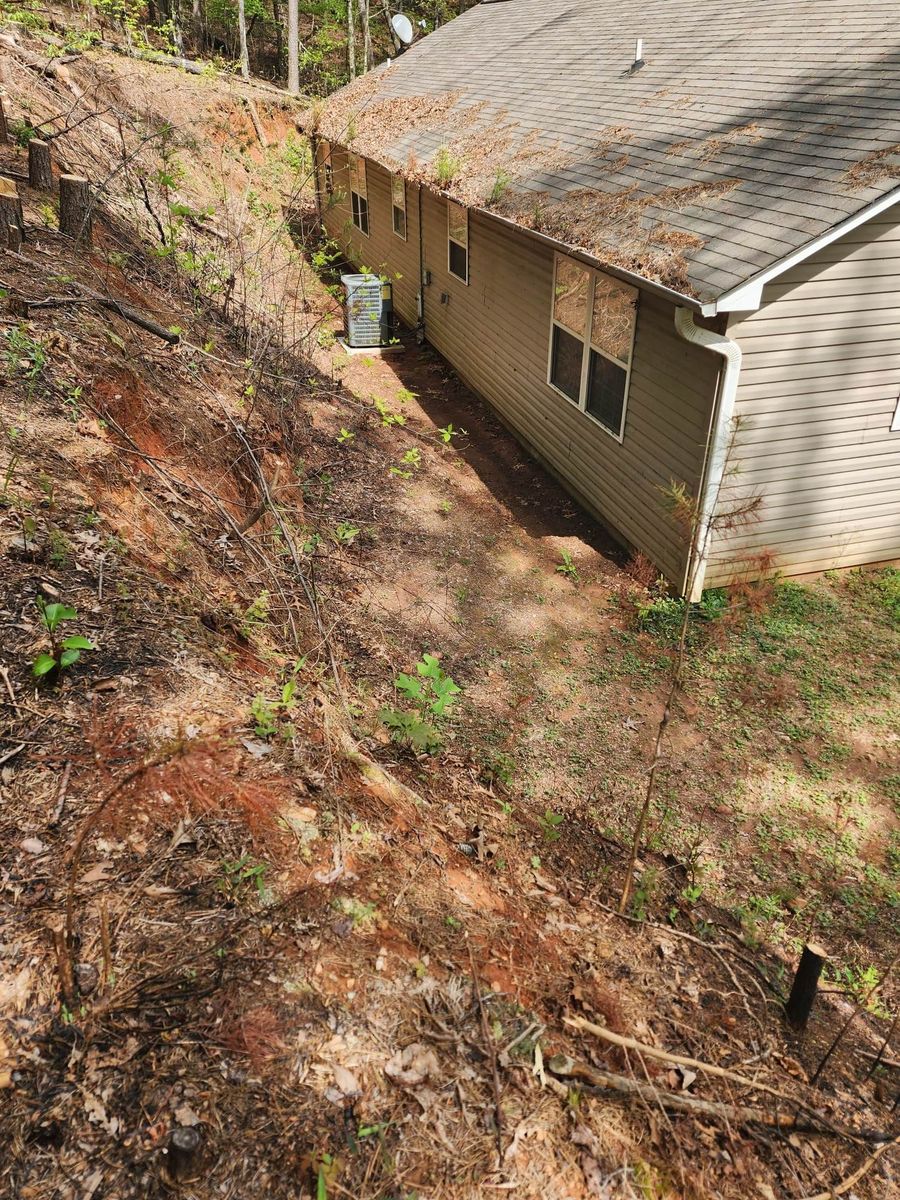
[458,240]
[398,205]
[359,198]
[591,342]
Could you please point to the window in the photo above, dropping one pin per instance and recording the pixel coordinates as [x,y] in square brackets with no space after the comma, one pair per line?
[398,203]
[458,240]
[359,199]
[591,342]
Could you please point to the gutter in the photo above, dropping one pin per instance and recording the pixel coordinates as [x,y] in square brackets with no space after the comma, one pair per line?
[717,444]
[638,281]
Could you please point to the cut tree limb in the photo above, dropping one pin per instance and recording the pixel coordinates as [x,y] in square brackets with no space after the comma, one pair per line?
[841,1189]
[593,1077]
[627,1043]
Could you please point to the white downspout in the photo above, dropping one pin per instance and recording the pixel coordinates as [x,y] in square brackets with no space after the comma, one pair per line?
[717,445]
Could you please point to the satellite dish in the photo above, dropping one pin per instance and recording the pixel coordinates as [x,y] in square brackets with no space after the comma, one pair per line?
[402,26]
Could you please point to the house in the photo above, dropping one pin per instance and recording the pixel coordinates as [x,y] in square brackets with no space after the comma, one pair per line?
[662,239]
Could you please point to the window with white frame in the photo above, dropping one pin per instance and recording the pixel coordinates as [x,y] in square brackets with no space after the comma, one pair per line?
[359,197]
[592,339]
[327,168]
[398,205]
[458,240]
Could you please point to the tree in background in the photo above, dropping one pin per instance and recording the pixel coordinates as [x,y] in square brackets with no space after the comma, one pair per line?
[293,47]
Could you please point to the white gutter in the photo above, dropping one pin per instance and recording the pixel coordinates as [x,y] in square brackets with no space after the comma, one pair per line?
[717,444]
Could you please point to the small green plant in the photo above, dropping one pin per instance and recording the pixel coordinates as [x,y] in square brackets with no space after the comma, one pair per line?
[567,567]
[432,693]
[265,717]
[446,166]
[269,715]
[388,416]
[64,651]
[502,180]
[256,615]
[345,437]
[550,823]
[412,458]
[399,473]
[23,354]
[445,508]
[345,533]
[241,873]
[449,432]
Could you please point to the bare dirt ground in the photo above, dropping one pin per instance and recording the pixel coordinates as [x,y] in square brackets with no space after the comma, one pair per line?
[348,967]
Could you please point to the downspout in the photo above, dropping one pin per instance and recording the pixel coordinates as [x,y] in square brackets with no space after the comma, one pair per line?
[420,327]
[717,444]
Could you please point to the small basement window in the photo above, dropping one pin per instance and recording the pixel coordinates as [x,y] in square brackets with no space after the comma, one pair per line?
[359,197]
[458,240]
[398,205]
[592,338]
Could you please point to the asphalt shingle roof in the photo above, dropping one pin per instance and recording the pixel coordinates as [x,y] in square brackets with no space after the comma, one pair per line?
[751,129]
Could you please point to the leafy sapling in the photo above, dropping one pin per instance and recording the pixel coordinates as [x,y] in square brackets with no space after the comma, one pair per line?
[432,694]
[567,567]
[64,651]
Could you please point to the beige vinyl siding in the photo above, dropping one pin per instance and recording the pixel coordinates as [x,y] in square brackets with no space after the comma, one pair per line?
[382,251]
[816,397]
[496,333]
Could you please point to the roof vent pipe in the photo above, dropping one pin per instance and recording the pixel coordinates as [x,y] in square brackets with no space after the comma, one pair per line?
[638,56]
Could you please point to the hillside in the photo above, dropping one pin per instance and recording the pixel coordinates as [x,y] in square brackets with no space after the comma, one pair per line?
[268,884]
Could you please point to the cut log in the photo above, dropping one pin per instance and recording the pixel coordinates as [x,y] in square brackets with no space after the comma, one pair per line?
[10,210]
[75,205]
[40,171]
[184,1158]
[806,982]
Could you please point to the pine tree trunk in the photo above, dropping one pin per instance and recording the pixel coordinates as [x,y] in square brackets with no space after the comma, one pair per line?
[293,72]
[351,41]
[242,34]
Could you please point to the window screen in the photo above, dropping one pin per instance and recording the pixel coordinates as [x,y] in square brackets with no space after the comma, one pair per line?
[458,240]
[398,204]
[359,200]
[592,335]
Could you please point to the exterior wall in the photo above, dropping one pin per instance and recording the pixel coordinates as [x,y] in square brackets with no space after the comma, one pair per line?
[382,251]
[495,332]
[816,398]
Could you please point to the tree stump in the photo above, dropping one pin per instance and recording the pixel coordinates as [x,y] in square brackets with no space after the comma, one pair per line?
[184,1157]
[4,127]
[10,213]
[806,981]
[14,239]
[75,208]
[40,172]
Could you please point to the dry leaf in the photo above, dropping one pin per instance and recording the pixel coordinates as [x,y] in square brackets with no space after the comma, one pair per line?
[185,1115]
[413,1066]
[34,846]
[346,1081]
[98,873]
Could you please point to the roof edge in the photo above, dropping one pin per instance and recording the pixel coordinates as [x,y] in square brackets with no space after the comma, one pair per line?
[639,281]
[747,296]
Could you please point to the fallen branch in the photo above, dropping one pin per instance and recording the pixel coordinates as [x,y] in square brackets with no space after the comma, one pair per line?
[121,310]
[60,796]
[257,123]
[695,1064]
[840,1189]
[567,1068]
[491,1051]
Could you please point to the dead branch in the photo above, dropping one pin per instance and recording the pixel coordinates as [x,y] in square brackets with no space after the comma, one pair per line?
[491,1051]
[257,124]
[851,1181]
[567,1068]
[60,796]
[121,310]
[628,1043]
